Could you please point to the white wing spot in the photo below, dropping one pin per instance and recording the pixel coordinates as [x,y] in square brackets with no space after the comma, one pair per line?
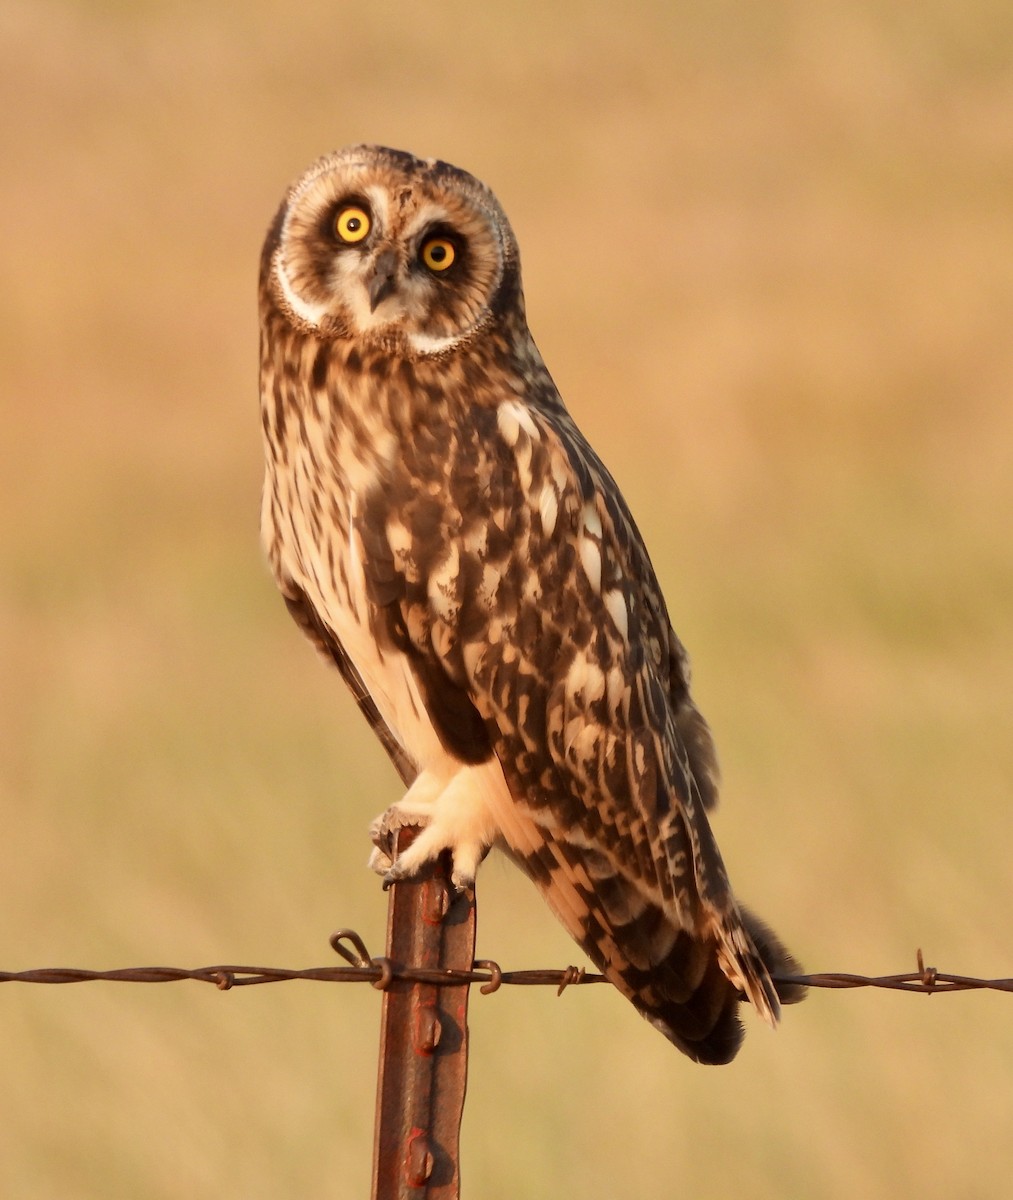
[489,585]
[618,691]
[590,560]
[399,538]
[532,588]
[591,520]
[615,604]
[589,546]
[443,585]
[572,732]
[507,423]
[522,456]
[548,508]
[583,744]
[585,681]
[476,541]
[560,468]
[512,417]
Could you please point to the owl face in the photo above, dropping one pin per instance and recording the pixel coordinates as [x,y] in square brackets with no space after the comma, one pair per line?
[380,247]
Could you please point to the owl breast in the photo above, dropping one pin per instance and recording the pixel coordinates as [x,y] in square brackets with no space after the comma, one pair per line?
[327,462]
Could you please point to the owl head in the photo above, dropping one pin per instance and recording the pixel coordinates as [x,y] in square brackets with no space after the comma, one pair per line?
[377,246]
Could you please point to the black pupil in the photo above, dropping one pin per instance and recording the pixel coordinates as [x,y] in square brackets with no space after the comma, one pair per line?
[438,253]
[354,224]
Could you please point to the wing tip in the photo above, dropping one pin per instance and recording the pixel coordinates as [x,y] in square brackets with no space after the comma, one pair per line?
[755,959]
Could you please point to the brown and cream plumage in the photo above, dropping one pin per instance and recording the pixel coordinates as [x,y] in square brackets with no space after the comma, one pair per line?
[440,528]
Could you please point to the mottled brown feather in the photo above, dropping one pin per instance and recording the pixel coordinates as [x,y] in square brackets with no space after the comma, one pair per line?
[428,494]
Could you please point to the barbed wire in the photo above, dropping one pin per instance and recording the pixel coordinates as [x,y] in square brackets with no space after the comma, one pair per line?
[488,975]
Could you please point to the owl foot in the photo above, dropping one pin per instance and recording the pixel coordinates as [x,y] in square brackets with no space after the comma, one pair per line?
[383,833]
[448,818]
[429,844]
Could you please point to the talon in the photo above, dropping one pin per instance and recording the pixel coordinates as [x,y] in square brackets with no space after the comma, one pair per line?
[444,813]
[381,835]
[462,881]
[380,861]
[393,875]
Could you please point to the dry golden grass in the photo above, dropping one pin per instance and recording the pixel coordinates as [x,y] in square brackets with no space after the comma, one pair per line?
[769,258]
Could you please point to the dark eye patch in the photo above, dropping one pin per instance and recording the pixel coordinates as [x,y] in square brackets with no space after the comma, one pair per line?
[442,232]
[329,217]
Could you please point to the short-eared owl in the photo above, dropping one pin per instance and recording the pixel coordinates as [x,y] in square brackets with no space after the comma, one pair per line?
[442,531]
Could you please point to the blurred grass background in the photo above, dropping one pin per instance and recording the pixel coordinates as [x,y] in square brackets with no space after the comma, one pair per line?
[769,259]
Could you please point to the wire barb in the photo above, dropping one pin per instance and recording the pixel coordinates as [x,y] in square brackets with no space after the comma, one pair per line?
[570,976]
[358,956]
[495,980]
[928,974]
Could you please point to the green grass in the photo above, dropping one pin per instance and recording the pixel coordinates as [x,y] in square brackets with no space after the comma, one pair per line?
[769,261]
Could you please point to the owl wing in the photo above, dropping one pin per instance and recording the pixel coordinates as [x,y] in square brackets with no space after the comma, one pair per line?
[308,620]
[501,558]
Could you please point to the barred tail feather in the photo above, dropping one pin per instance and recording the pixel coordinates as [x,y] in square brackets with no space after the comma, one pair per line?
[737,964]
[687,984]
[775,957]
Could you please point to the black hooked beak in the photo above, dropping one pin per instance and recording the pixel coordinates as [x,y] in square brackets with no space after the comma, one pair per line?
[383,280]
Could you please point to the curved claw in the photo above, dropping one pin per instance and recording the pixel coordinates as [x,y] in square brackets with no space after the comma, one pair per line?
[450,815]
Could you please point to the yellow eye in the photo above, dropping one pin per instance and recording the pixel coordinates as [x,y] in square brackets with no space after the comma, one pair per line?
[438,253]
[352,223]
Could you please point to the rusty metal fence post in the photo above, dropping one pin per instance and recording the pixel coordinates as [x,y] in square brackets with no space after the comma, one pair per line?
[423,1067]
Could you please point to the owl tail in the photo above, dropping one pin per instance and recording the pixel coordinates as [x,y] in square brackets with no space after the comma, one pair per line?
[688,983]
[694,994]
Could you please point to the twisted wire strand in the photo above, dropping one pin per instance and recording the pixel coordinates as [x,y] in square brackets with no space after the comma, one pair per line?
[382,973]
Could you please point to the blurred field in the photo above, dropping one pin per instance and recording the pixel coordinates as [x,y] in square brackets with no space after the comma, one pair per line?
[769,259]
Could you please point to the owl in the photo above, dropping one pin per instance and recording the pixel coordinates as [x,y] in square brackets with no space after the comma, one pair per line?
[442,531]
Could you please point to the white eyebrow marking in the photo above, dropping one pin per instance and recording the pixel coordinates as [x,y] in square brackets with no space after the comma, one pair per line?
[378,202]
[428,214]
